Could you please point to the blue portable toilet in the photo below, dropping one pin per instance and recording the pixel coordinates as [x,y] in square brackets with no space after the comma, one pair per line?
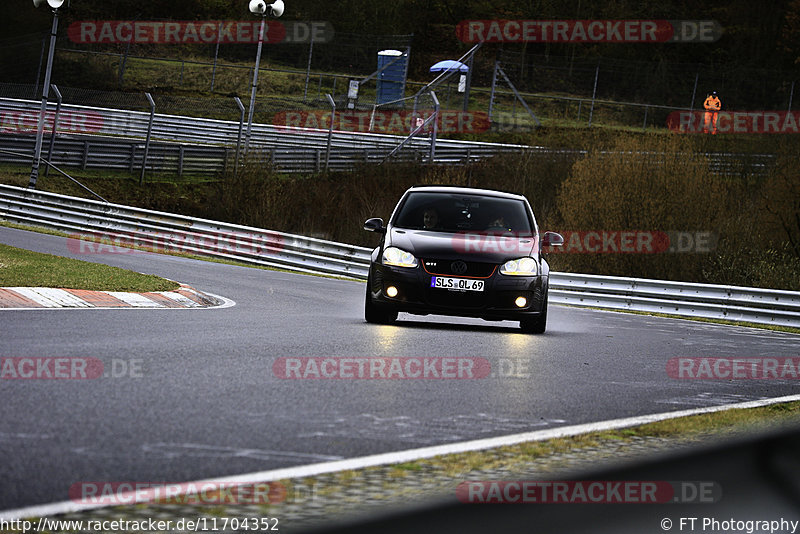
[392,79]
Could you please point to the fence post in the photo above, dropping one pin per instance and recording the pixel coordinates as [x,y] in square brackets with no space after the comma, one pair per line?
[85,161]
[494,86]
[413,114]
[133,158]
[180,161]
[644,125]
[123,62]
[468,83]
[149,132]
[54,87]
[694,91]
[308,67]
[435,123]
[216,55]
[127,52]
[518,96]
[791,96]
[594,93]
[239,136]
[330,130]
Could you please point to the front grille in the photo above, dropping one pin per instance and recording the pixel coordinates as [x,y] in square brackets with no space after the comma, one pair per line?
[468,269]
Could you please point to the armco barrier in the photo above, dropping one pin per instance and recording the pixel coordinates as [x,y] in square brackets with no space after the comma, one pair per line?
[103,152]
[291,149]
[731,303]
[171,128]
[100,152]
[165,231]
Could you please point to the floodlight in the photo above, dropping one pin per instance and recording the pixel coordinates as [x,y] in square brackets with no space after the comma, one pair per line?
[55,4]
[276,9]
[259,7]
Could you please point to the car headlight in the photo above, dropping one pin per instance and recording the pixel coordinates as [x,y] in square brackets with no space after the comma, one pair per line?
[520,267]
[398,258]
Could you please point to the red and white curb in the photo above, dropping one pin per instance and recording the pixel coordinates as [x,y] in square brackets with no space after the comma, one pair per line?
[47,297]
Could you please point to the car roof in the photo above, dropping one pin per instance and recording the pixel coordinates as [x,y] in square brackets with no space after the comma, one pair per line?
[464,191]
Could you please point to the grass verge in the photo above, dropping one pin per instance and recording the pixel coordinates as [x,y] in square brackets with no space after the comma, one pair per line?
[24,268]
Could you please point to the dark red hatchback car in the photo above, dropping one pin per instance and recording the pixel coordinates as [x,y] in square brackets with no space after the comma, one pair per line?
[460,251]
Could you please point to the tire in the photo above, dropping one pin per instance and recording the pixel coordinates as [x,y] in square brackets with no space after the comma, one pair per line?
[535,325]
[372,314]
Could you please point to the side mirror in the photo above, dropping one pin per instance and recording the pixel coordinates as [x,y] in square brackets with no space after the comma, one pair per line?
[375,225]
[552,239]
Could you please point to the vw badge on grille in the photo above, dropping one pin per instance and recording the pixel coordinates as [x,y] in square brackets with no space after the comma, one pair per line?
[458,267]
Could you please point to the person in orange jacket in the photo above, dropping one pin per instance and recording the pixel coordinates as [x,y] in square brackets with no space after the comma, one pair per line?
[712,105]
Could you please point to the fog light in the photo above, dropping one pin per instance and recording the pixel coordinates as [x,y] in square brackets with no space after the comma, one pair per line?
[391,291]
[521,302]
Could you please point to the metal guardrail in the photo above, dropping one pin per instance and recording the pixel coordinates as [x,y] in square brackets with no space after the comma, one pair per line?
[171,128]
[731,303]
[290,149]
[114,225]
[100,152]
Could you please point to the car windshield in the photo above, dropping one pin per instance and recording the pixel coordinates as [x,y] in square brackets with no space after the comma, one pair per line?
[456,212]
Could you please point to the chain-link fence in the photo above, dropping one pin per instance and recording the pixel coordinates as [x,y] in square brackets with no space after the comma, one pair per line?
[200,80]
[662,83]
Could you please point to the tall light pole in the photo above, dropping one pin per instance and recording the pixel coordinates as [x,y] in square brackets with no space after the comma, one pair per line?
[37,152]
[259,7]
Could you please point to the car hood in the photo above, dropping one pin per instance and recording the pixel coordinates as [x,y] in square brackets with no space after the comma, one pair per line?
[486,247]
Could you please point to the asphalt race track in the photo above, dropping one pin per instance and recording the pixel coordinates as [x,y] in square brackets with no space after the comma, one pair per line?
[202,400]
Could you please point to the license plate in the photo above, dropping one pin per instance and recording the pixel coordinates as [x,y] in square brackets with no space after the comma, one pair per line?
[458,284]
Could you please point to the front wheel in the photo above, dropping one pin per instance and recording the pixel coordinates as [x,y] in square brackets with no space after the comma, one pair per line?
[372,314]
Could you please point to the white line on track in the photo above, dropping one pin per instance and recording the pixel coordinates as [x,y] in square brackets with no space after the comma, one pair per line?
[47,510]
